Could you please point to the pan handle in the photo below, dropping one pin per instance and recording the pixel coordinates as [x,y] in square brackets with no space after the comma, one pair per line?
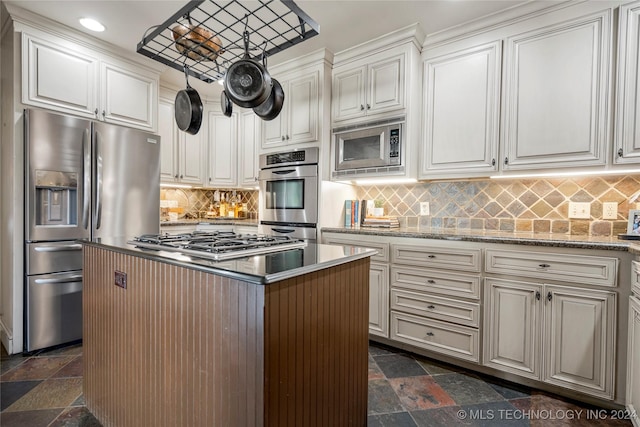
[186,75]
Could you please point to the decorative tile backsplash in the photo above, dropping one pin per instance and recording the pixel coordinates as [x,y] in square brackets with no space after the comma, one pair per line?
[530,205]
[194,203]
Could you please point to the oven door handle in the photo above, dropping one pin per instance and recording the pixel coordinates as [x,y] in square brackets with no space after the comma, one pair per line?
[282,230]
[284,172]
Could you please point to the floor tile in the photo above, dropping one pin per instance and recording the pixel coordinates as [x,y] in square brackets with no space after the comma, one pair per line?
[399,365]
[11,391]
[36,368]
[501,413]
[52,393]
[7,364]
[376,349]
[417,393]
[70,350]
[71,369]
[374,371]
[399,419]
[447,416]
[506,389]
[465,389]
[433,367]
[382,398]
[76,417]
[41,418]
[79,401]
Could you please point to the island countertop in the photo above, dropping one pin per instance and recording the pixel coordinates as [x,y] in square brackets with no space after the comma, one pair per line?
[260,269]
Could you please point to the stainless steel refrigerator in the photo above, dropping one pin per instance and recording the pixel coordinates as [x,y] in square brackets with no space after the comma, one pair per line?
[84,180]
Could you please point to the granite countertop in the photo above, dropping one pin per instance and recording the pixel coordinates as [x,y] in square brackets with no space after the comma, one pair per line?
[259,269]
[522,238]
[214,221]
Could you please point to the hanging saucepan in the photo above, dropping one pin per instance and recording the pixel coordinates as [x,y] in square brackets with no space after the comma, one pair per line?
[225,104]
[247,82]
[188,108]
[270,108]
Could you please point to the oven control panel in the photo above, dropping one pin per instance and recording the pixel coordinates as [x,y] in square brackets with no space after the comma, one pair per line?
[289,158]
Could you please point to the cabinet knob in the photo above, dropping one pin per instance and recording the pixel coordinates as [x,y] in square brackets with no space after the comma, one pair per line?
[538,295]
[209,179]
[283,137]
[493,162]
[549,297]
[361,107]
[181,176]
[431,281]
[429,334]
[620,152]
[506,160]
[431,307]
[368,107]
[96,112]
[287,137]
[175,176]
[103,113]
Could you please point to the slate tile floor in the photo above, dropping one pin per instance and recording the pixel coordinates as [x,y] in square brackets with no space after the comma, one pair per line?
[45,390]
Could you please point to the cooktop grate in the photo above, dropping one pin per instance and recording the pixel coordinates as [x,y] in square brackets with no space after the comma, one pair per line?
[273,26]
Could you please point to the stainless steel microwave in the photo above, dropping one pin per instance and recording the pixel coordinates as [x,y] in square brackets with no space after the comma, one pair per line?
[373,147]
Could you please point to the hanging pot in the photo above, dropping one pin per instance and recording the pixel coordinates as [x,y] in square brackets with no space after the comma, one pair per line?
[225,104]
[270,108]
[247,82]
[188,108]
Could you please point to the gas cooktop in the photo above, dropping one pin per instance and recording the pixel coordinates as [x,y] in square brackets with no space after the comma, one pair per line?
[217,245]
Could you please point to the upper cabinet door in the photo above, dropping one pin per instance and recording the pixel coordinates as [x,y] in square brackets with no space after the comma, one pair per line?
[168,141]
[58,78]
[249,129]
[192,154]
[349,94]
[461,112]
[386,85]
[627,128]
[223,149]
[303,109]
[128,97]
[556,94]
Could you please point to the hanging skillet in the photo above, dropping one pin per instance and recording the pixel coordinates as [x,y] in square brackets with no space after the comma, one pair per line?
[188,108]
[270,108]
[225,104]
[247,82]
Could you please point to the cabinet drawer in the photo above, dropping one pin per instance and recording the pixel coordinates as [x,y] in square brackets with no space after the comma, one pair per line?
[579,269]
[436,282]
[436,257]
[382,248]
[635,277]
[446,309]
[441,337]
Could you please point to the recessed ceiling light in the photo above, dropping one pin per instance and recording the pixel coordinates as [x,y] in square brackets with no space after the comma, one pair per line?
[92,24]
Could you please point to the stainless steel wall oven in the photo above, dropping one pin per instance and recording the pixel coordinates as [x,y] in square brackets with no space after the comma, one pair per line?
[289,193]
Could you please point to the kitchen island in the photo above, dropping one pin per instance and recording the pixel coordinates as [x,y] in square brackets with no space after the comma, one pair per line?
[278,339]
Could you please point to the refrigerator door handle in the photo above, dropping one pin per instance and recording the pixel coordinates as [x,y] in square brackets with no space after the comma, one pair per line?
[73,247]
[68,279]
[98,182]
[86,177]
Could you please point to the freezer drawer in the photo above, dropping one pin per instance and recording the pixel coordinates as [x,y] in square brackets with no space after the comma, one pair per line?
[54,309]
[43,258]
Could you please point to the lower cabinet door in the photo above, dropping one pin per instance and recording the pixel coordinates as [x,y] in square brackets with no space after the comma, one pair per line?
[379,299]
[442,337]
[512,326]
[580,339]
[633,361]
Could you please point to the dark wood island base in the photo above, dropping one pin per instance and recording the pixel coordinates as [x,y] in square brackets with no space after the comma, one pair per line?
[186,347]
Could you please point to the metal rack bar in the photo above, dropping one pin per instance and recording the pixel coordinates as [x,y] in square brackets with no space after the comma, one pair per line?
[274,25]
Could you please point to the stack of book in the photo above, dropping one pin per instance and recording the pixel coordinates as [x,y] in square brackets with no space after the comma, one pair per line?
[352,215]
[380,221]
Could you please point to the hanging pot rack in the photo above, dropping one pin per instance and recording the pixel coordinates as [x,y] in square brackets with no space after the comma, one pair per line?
[274,25]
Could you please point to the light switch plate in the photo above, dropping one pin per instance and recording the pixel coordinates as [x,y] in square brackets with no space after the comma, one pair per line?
[610,210]
[424,208]
[580,210]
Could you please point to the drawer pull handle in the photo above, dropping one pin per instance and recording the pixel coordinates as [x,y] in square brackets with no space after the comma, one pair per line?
[429,334]
[431,281]
[431,307]
[544,265]
[431,256]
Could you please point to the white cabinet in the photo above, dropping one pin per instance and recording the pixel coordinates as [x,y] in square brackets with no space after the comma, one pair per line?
[556,94]
[62,76]
[298,121]
[233,149]
[627,126]
[461,104]
[182,156]
[373,88]
[563,335]
[633,360]
[223,150]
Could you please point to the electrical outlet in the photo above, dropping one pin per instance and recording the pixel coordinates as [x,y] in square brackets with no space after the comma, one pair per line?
[579,210]
[424,208]
[610,210]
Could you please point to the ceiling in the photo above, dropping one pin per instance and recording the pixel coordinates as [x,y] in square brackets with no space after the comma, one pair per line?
[343,23]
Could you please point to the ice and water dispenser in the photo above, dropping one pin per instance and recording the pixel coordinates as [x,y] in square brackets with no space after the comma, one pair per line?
[56,198]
